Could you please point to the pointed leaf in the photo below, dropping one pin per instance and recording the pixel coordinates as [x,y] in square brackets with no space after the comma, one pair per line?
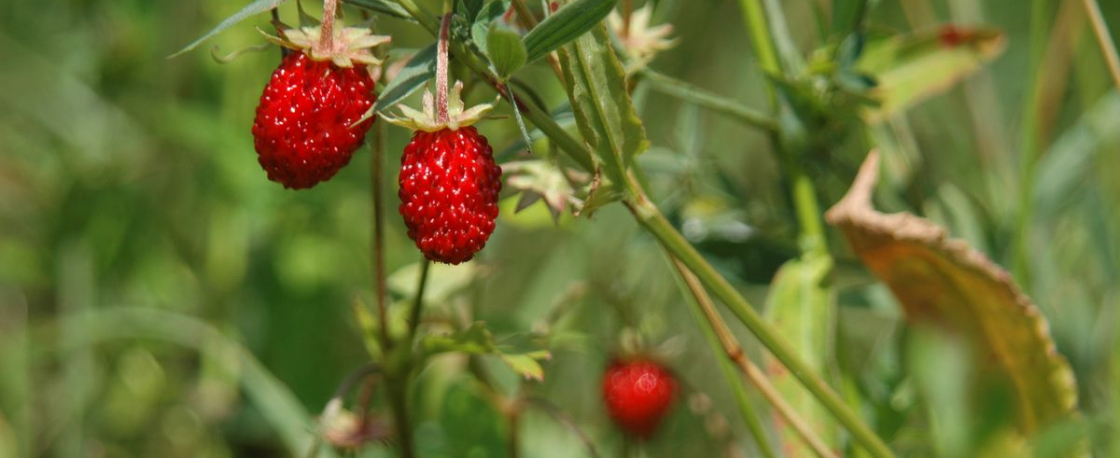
[566,25]
[943,282]
[258,6]
[605,114]
[912,68]
[383,7]
[802,305]
[505,50]
[420,69]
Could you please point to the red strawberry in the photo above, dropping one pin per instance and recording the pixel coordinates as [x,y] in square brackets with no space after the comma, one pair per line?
[310,118]
[638,392]
[449,187]
[449,183]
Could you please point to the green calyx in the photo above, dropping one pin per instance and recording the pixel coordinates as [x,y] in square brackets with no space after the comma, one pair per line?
[428,120]
[348,47]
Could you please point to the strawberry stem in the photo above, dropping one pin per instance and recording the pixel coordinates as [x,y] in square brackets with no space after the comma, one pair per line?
[441,69]
[326,37]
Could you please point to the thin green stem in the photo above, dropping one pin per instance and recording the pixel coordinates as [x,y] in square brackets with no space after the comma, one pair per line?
[418,306]
[755,18]
[651,218]
[716,103]
[376,170]
[808,211]
[724,357]
[397,388]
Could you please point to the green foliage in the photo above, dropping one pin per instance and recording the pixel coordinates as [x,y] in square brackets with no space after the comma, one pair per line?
[130,180]
[572,21]
[504,48]
[604,111]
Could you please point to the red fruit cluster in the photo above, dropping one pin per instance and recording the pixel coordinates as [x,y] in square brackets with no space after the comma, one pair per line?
[304,130]
[638,393]
[449,187]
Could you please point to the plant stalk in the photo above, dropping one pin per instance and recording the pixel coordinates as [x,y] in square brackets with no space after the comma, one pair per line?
[725,358]
[326,31]
[651,218]
[441,69]
[418,306]
[376,170]
[714,325]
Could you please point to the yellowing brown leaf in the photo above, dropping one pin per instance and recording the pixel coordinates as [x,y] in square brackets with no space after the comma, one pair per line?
[943,282]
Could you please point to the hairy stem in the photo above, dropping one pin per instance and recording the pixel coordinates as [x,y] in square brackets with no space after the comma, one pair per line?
[441,69]
[326,36]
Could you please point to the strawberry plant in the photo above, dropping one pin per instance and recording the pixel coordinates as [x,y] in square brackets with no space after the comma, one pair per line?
[622,228]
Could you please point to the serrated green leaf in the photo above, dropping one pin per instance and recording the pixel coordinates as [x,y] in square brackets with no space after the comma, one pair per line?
[257,7]
[383,7]
[596,85]
[415,74]
[566,25]
[802,305]
[912,68]
[505,50]
[942,282]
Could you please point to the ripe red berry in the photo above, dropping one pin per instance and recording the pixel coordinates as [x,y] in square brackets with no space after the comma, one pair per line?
[638,393]
[304,130]
[449,187]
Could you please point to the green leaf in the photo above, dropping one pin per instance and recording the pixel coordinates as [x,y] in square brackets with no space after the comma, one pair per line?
[596,85]
[477,340]
[802,305]
[912,68]
[480,28]
[505,50]
[258,6]
[944,283]
[420,69]
[383,7]
[566,25]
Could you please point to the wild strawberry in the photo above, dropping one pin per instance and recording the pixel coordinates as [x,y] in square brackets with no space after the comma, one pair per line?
[638,392]
[449,183]
[311,116]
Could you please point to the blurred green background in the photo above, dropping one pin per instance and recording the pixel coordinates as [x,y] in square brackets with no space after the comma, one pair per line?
[146,263]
